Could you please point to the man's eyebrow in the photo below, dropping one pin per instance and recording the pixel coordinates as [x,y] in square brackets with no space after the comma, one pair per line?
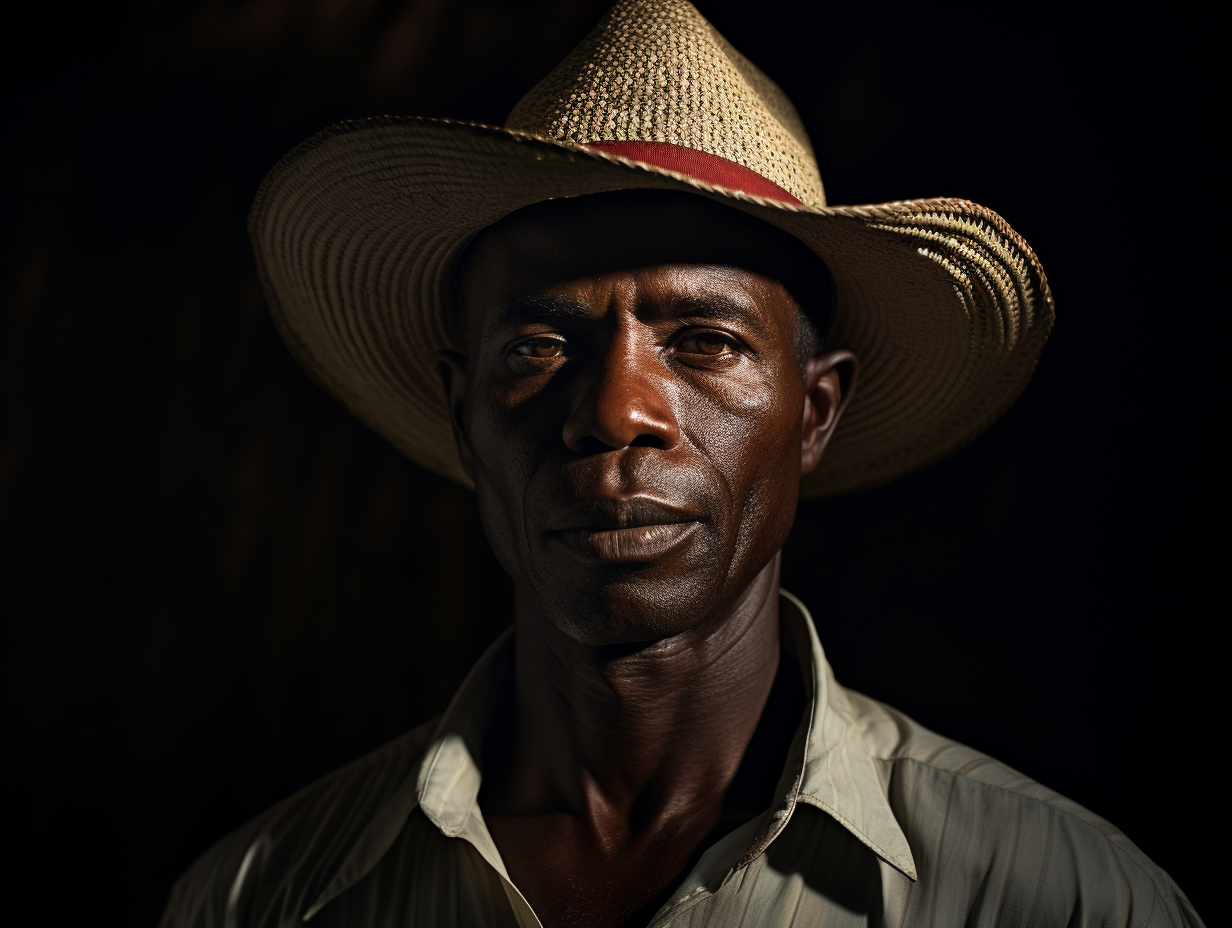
[719,309]
[539,309]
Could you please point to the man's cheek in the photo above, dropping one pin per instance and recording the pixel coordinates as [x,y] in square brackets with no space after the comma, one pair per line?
[750,393]
[767,486]
[511,395]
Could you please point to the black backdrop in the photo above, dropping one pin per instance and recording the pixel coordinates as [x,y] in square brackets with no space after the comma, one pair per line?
[218,586]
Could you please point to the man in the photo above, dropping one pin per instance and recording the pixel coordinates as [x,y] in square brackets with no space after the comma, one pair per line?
[630,322]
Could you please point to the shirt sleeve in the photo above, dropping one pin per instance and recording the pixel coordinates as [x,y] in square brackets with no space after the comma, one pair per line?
[994,847]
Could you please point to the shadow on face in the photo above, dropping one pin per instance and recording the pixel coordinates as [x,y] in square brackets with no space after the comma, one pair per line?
[632,406]
[631,228]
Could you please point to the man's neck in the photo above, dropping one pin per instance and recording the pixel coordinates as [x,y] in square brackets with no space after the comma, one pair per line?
[629,740]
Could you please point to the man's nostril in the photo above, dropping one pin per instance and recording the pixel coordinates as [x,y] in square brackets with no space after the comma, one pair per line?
[649,441]
[596,444]
[589,444]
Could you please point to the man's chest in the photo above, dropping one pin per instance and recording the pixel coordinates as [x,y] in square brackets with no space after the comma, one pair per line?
[574,877]
[804,878]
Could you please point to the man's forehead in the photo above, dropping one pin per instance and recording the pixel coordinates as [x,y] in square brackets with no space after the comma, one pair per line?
[675,281]
[718,292]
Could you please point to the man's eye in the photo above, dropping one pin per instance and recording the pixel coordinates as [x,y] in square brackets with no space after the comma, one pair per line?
[541,348]
[706,343]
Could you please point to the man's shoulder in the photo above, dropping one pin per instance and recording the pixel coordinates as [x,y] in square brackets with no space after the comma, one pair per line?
[971,819]
[293,848]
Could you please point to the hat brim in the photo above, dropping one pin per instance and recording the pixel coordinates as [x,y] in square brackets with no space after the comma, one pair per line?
[356,231]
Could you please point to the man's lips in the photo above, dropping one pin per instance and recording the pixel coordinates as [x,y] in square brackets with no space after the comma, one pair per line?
[624,530]
[625,545]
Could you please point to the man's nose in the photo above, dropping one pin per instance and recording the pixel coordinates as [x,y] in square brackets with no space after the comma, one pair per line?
[627,401]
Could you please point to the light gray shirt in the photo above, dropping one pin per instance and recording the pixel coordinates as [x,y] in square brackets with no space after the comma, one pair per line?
[879,822]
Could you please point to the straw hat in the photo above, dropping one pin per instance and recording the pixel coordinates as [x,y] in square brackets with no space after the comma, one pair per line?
[356,232]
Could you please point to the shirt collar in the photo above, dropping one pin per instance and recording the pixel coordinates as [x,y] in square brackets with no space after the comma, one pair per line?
[828,766]
[839,775]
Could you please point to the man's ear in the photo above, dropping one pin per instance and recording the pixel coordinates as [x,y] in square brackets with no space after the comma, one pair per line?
[452,367]
[829,383]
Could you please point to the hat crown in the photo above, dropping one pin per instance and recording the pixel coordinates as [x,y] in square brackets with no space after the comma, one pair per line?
[656,71]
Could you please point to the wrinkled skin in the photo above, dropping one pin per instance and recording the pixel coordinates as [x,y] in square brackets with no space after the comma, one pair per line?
[636,420]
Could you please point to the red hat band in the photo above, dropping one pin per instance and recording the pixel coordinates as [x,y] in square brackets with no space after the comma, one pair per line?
[698,164]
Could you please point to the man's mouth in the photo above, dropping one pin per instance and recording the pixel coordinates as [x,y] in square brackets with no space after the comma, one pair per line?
[625,545]
[626,531]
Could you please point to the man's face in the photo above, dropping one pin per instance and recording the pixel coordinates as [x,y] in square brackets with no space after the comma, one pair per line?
[632,413]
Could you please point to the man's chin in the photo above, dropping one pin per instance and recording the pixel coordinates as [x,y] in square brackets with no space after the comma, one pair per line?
[637,608]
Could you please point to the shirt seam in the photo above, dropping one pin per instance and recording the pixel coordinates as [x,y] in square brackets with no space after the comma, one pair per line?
[1005,789]
[696,896]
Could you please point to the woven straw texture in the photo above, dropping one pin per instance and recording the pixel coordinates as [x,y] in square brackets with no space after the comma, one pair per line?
[356,231]
[659,72]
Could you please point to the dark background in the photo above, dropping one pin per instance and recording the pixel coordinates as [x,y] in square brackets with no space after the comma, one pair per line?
[218,586]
